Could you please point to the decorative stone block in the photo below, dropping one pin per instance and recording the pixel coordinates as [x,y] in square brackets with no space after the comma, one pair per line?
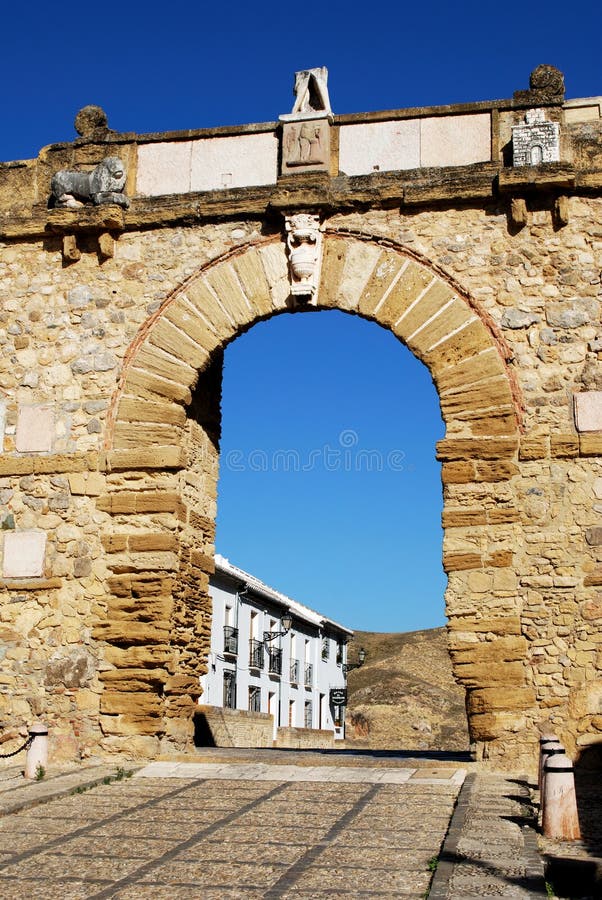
[537,141]
[35,429]
[588,410]
[306,146]
[23,554]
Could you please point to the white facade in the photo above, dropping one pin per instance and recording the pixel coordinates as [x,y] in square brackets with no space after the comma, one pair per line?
[292,676]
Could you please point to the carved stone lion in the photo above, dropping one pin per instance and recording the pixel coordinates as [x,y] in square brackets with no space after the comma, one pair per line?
[104,184]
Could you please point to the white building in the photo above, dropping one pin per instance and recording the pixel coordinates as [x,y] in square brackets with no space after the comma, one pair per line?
[298,677]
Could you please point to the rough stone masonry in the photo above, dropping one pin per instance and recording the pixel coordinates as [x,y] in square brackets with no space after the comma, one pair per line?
[119,291]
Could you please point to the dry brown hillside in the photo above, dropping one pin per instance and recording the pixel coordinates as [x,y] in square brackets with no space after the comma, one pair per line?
[404,696]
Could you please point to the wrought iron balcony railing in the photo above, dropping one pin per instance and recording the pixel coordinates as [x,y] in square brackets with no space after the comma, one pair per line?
[295,671]
[230,640]
[256,654]
[309,674]
[274,661]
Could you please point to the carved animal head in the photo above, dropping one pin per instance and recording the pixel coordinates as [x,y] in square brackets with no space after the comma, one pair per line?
[108,176]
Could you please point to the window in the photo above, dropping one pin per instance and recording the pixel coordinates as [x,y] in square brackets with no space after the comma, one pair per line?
[291,713]
[309,714]
[254,626]
[325,648]
[255,699]
[229,689]
[340,653]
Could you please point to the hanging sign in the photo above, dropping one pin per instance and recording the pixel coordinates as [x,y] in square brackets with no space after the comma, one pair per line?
[338,696]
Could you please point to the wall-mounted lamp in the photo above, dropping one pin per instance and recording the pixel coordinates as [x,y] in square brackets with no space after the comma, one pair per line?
[361,659]
[287,624]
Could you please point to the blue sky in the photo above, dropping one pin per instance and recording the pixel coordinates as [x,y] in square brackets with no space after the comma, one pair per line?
[361,546]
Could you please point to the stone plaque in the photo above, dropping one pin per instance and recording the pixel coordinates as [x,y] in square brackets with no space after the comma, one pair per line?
[35,429]
[306,146]
[23,554]
[588,411]
[537,141]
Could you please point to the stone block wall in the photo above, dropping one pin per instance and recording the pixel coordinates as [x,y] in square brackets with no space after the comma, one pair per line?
[304,739]
[220,727]
[109,424]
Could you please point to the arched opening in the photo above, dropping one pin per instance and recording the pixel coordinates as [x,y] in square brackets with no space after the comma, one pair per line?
[165,416]
[329,491]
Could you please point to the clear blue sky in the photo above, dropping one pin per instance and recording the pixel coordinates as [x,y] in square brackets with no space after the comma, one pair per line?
[361,546]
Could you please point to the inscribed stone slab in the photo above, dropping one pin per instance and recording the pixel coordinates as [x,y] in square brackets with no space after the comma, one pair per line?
[23,555]
[163,168]
[588,411]
[35,429]
[455,140]
[235,161]
[379,147]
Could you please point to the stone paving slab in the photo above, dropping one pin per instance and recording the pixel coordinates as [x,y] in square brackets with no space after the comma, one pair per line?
[316,774]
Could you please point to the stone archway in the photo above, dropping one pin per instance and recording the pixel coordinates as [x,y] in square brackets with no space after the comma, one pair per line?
[162,453]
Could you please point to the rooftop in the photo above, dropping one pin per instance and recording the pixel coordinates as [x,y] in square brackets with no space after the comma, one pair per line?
[223,566]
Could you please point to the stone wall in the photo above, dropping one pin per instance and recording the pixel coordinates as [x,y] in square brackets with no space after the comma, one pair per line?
[305,739]
[112,329]
[220,727]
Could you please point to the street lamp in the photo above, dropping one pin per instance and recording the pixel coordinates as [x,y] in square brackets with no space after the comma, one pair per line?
[361,659]
[287,624]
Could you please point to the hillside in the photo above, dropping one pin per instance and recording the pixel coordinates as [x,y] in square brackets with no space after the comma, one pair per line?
[404,696]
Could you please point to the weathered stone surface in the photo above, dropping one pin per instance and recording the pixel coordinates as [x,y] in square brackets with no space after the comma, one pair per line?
[593,536]
[71,671]
[116,346]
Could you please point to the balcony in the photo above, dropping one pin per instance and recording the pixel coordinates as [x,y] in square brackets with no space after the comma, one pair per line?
[230,640]
[274,661]
[309,674]
[295,671]
[256,654]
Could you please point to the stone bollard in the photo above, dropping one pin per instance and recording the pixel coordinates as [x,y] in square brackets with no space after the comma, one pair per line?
[560,820]
[37,753]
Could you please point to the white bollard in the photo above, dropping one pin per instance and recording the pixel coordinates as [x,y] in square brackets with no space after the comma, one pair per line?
[560,819]
[547,742]
[37,753]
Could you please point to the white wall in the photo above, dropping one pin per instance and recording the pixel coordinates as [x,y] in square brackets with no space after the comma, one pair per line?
[327,673]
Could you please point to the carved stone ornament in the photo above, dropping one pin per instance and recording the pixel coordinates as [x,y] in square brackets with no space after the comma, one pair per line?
[311,96]
[105,184]
[546,85]
[304,245]
[311,92]
[306,146]
[537,141]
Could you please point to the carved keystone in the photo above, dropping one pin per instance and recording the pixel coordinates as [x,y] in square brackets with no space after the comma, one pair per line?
[304,246]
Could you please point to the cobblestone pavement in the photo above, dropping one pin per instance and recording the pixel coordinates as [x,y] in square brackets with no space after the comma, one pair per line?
[235,831]
[491,847]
